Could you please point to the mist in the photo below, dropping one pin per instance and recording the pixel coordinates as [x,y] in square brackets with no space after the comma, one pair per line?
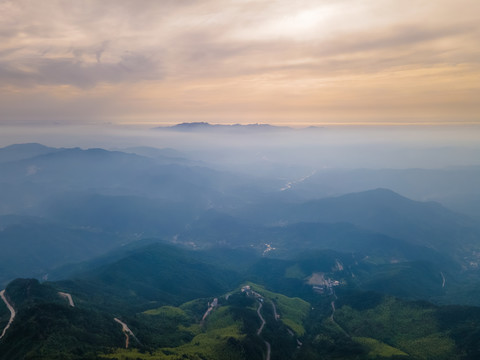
[314,148]
[249,180]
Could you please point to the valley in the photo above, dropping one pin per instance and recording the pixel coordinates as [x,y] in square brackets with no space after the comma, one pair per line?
[170,260]
[239,180]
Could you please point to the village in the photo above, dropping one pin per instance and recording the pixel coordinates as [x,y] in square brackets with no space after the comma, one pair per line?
[321,284]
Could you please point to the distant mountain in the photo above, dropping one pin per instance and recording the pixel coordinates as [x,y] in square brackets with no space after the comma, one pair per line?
[71,165]
[155,275]
[419,280]
[214,229]
[27,183]
[121,214]
[205,126]
[24,151]
[426,224]
[166,155]
[382,210]
[32,247]
[456,188]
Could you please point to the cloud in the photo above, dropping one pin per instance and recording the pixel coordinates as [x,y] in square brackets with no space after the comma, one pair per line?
[76,72]
[204,51]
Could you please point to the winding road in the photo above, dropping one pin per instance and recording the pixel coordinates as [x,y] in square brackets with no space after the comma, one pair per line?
[68,297]
[259,331]
[275,311]
[209,310]
[269,350]
[12,312]
[333,310]
[333,319]
[126,330]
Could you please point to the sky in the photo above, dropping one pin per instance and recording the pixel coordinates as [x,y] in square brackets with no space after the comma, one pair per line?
[288,62]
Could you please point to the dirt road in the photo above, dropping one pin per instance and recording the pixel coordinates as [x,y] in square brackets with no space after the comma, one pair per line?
[259,331]
[12,312]
[126,330]
[68,297]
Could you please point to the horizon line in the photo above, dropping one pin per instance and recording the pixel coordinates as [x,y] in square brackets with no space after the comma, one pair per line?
[293,125]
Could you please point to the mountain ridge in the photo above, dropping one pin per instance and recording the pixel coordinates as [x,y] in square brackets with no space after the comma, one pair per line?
[205,126]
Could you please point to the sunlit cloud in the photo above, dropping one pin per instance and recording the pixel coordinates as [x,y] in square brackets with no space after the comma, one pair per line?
[240,61]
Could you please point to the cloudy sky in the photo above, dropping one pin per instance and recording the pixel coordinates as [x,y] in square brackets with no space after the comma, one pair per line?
[225,61]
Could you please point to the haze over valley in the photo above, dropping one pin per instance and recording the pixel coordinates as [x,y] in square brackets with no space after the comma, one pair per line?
[239,180]
[130,232]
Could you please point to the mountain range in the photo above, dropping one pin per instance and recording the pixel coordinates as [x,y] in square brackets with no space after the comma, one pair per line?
[173,258]
[205,126]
